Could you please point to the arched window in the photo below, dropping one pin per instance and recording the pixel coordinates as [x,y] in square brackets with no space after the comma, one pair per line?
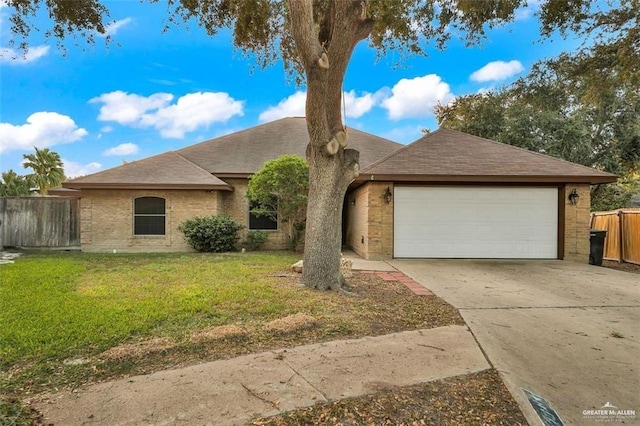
[149,216]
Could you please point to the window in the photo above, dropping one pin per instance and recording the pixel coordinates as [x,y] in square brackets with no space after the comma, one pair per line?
[267,220]
[149,216]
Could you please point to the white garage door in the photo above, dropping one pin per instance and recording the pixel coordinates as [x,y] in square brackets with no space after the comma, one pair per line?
[476,222]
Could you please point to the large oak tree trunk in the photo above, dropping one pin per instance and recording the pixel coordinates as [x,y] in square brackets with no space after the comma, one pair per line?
[325,51]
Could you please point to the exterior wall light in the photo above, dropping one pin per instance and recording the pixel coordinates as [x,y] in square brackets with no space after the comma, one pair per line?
[574,197]
[388,196]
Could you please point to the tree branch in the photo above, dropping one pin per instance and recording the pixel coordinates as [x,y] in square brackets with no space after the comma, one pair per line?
[364,29]
[304,33]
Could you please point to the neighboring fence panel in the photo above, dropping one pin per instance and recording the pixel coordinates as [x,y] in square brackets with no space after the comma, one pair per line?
[622,243]
[40,222]
[631,237]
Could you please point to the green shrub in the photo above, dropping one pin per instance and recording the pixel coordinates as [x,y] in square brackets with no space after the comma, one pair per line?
[218,233]
[256,239]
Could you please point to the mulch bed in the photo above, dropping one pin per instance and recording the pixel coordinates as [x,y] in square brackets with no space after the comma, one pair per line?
[627,267]
[473,399]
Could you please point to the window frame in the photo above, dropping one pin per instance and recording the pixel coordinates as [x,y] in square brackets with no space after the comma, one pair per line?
[136,215]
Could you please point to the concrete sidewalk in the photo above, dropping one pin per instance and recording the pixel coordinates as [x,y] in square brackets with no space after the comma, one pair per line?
[231,392]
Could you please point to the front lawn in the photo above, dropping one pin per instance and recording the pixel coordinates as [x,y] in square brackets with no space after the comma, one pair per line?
[71,318]
[60,305]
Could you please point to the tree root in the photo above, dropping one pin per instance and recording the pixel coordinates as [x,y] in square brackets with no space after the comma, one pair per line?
[348,293]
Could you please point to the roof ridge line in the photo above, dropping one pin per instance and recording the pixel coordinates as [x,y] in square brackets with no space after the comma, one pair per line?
[194,164]
[236,133]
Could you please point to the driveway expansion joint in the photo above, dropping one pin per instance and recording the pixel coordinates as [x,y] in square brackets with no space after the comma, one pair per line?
[515,308]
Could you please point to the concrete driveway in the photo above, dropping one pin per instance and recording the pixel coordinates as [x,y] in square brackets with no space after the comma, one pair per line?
[565,331]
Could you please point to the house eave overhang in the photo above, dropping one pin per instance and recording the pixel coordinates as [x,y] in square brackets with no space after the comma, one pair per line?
[497,179]
[181,186]
[234,175]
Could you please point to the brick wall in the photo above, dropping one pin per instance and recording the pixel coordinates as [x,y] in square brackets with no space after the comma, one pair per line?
[236,205]
[576,224]
[106,221]
[380,222]
[355,227]
[369,224]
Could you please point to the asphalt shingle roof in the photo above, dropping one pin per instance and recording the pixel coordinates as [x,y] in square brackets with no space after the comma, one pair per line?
[241,153]
[246,151]
[441,156]
[168,170]
[450,155]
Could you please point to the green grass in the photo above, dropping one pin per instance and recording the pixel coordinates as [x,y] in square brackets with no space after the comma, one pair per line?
[60,305]
[55,306]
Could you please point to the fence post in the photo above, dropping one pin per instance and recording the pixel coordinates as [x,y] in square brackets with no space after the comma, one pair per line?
[621,230]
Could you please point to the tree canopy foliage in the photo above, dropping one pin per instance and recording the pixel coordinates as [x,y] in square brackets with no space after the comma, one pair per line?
[262,28]
[14,185]
[280,190]
[48,170]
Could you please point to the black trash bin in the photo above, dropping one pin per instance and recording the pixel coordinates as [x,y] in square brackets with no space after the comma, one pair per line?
[596,239]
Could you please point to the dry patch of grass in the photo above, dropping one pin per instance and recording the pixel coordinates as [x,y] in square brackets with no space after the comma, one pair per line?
[226,333]
[138,350]
[292,323]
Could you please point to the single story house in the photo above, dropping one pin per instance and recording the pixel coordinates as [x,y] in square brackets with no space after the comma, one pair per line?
[446,195]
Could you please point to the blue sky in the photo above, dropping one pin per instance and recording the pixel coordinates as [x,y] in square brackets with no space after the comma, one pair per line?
[149,92]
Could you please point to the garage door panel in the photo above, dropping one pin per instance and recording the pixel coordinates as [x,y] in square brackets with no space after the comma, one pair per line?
[475,222]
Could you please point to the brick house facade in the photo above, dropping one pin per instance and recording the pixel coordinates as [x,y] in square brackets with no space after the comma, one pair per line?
[211,178]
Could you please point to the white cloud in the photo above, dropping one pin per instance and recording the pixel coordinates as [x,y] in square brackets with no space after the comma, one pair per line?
[356,106]
[122,149]
[73,169]
[15,57]
[125,108]
[416,97]
[293,106]
[190,112]
[42,129]
[112,28]
[497,70]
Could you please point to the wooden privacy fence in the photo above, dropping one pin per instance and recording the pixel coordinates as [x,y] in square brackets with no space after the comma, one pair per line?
[39,222]
[622,242]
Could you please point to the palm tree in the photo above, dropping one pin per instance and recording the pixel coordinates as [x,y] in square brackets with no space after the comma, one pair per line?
[14,185]
[48,171]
